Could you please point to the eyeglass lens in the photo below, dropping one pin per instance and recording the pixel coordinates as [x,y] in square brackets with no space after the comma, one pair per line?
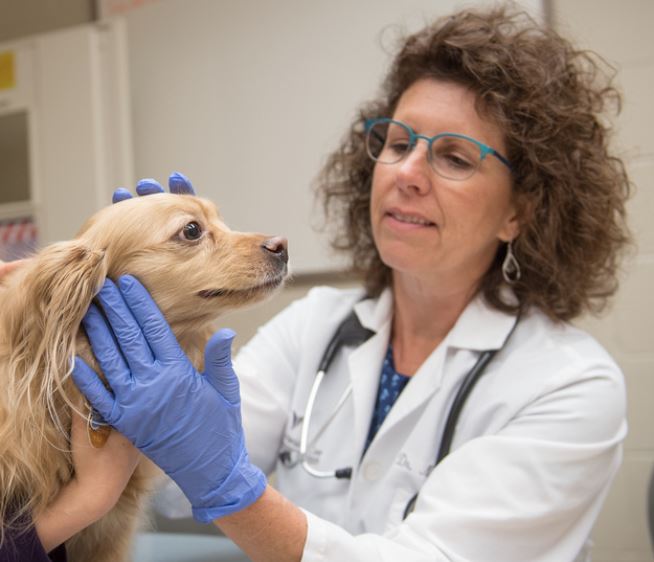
[450,156]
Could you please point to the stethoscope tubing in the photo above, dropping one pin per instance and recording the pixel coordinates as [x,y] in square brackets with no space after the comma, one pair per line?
[304,435]
[454,414]
[355,333]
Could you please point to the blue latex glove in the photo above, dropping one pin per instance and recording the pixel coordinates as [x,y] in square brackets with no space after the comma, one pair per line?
[177,183]
[186,422]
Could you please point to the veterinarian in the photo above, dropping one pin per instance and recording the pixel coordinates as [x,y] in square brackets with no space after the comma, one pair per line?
[479,199]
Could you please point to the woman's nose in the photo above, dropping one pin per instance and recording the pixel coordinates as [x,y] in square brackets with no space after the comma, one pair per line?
[414,171]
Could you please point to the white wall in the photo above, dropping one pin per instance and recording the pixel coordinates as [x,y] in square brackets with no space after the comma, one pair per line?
[622,33]
[247,98]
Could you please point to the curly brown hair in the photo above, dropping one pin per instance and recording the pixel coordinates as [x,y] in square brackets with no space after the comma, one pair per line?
[548,97]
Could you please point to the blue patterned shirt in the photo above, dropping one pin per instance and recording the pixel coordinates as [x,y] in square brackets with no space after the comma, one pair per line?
[391,384]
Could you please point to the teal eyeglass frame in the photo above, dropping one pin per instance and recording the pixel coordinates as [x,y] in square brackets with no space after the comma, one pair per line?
[484,149]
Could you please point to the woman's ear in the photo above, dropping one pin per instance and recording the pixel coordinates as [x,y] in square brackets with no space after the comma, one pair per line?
[511,226]
[510,230]
[520,214]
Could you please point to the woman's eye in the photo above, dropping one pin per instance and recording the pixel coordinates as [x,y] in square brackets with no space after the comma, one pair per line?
[191,231]
[455,161]
[399,147]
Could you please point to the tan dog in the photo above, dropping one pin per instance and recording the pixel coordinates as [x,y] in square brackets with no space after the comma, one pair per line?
[194,267]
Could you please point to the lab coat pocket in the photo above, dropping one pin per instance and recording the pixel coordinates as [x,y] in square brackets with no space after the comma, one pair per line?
[401,498]
[405,484]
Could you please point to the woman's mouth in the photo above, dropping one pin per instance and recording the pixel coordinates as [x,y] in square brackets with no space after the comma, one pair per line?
[409,218]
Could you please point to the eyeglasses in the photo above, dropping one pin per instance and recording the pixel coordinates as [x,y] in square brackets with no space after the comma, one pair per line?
[451,155]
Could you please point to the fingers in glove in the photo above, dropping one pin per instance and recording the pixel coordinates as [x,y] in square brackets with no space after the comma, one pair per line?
[92,387]
[179,183]
[126,329]
[148,186]
[157,332]
[106,350]
[120,195]
[218,365]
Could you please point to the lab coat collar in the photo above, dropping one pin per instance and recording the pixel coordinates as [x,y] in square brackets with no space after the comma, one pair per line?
[480,327]
[375,313]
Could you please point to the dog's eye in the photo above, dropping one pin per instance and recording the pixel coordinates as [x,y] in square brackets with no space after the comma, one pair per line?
[191,231]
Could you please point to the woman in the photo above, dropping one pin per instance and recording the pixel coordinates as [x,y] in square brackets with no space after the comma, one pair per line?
[479,199]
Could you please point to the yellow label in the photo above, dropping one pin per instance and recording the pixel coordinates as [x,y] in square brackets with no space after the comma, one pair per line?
[7,73]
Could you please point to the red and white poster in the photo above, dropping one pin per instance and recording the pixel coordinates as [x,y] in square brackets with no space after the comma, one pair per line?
[109,8]
[18,238]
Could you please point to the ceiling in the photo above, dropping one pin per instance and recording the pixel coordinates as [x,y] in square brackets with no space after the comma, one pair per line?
[21,18]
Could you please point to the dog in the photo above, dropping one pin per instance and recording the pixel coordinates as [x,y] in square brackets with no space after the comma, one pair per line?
[194,266]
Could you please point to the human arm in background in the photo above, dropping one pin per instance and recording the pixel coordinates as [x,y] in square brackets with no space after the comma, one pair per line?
[100,477]
[21,544]
[8,267]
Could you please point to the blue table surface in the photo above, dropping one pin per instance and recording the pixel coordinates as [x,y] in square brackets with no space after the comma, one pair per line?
[184,547]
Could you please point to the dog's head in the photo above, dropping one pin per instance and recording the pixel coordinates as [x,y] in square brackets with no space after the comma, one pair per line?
[194,266]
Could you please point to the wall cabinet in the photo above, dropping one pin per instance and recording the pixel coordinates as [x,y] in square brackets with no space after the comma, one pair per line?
[65,133]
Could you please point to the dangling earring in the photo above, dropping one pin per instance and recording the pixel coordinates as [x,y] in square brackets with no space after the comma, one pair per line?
[510,266]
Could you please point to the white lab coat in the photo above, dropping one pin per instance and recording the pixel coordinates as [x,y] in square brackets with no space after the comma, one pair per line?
[534,452]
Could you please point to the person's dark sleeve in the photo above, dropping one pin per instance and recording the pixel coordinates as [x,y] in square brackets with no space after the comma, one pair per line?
[24,546]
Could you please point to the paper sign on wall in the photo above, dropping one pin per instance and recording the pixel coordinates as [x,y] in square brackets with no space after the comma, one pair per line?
[18,239]
[108,8]
[7,72]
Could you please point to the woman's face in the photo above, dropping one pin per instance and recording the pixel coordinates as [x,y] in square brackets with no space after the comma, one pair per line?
[435,229]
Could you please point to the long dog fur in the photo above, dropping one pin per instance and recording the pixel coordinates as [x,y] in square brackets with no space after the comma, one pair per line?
[42,305]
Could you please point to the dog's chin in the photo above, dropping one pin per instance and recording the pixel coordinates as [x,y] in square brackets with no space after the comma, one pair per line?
[252,293]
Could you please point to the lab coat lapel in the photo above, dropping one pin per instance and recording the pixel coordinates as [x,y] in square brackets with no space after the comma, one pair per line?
[365,365]
[365,362]
[421,388]
[479,328]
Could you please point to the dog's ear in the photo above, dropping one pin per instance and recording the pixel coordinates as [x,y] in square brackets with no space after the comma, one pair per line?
[41,309]
[43,312]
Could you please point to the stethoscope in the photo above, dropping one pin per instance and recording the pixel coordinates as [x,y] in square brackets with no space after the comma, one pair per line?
[352,333]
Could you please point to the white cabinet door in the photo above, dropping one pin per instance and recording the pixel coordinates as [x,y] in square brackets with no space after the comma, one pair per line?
[72,90]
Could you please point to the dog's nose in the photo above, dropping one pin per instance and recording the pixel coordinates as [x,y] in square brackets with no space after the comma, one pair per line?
[278,246]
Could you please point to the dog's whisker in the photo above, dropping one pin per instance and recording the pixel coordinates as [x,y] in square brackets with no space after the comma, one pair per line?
[267,284]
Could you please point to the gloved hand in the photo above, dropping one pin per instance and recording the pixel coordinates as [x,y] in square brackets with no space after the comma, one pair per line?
[177,183]
[188,423]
